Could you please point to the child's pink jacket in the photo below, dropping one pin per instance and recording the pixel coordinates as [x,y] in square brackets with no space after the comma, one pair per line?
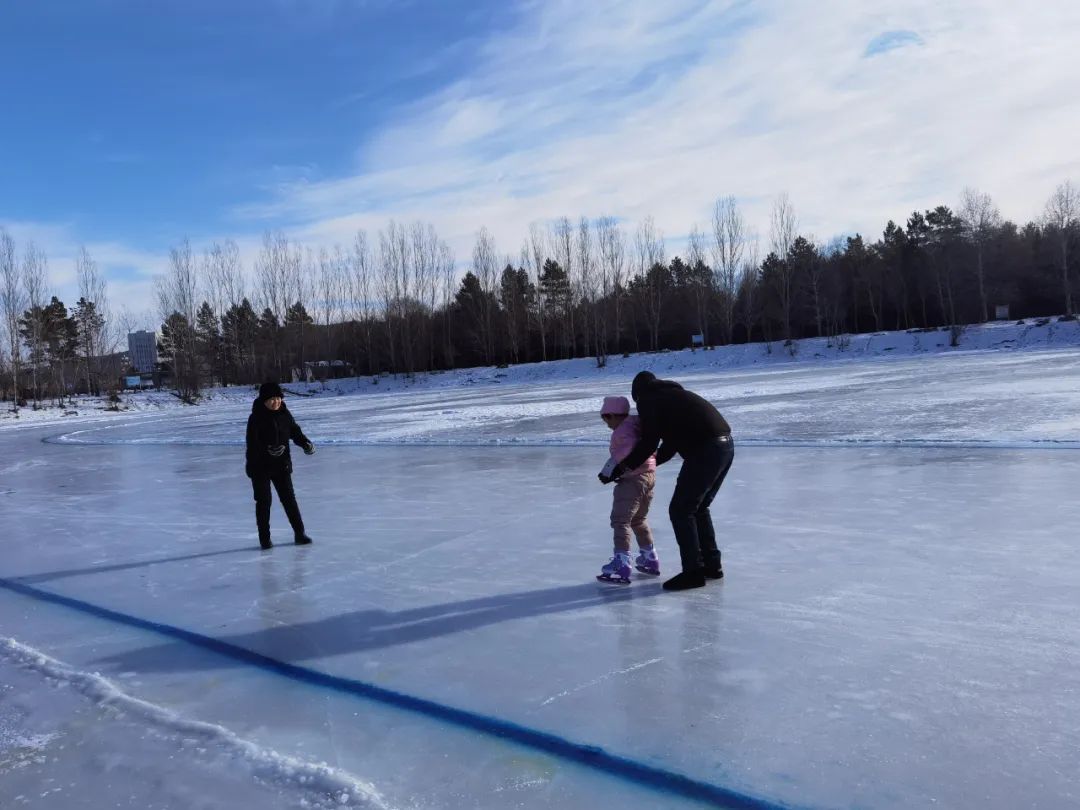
[623,439]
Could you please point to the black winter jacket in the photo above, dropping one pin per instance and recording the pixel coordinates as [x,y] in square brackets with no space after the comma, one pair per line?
[669,413]
[268,436]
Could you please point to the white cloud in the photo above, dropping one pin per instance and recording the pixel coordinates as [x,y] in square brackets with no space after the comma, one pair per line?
[634,108]
[128,271]
[643,108]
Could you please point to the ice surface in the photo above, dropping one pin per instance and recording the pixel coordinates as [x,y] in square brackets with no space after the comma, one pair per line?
[898,628]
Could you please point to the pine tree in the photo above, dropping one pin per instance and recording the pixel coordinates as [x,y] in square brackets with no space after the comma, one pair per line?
[89,325]
[240,327]
[208,340]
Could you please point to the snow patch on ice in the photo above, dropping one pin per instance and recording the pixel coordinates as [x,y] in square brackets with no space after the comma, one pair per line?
[326,786]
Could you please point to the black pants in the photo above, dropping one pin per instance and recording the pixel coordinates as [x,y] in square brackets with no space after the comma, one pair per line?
[702,473]
[263,499]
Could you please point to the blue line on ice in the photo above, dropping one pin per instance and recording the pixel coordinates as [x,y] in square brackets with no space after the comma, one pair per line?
[588,756]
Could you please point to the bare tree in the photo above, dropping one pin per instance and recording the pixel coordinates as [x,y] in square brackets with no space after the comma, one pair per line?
[330,290]
[749,273]
[35,282]
[701,284]
[536,251]
[276,269]
[1062,216]
[729,237]
[425,254]
[361,295]
[178,301]
[223,276]
[652,273]
[129,320]
[13,300]
[981,220]
[783,225]
[447,273]
[588,286]
[612,248]
[783,230]
[562,243]
[95,320]
[273,273]
[225,289]
[396,287]
[486,271]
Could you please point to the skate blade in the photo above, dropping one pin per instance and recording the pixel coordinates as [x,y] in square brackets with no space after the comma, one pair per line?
[612,580]
[647,571]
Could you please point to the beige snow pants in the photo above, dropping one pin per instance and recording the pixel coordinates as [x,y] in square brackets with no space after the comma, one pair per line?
[630,508]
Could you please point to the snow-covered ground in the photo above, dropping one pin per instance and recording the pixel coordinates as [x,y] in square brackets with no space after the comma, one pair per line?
[898,628]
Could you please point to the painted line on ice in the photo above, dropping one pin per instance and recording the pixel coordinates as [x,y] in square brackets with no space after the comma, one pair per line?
[589,756]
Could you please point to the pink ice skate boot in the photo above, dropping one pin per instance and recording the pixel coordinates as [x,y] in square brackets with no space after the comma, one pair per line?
[618,570]
[647,562]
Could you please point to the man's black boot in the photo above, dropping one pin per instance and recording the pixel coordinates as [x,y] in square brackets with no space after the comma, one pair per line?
[686,580]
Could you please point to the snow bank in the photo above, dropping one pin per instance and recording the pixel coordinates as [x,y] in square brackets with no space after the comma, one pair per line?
[1027,335]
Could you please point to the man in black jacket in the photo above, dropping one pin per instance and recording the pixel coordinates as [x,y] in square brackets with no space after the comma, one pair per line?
[679,421]
[269,430]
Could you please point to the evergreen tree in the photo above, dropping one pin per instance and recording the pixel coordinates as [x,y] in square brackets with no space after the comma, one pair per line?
[268,341]
[474,302]
[178,348]
[240,326]
[558,299]
[89,324]
[208,341]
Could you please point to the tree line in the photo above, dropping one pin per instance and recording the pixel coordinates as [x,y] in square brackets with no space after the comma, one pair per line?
[48,351]
[396,301]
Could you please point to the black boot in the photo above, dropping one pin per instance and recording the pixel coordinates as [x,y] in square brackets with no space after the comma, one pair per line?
[686,580]
[714,572]
[302,539]
[264,543]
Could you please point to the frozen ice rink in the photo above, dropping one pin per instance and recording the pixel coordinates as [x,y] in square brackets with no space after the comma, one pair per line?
[899,626]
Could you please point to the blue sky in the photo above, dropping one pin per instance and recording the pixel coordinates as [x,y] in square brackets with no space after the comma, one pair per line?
[129,125]
[152,119]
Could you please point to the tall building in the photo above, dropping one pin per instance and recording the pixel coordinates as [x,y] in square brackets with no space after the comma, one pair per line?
[142,350]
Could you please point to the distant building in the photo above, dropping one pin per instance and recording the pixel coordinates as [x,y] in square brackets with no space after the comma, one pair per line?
[142,350]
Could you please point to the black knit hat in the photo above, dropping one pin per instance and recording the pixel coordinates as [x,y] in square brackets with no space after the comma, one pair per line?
[641,381]
[269,390]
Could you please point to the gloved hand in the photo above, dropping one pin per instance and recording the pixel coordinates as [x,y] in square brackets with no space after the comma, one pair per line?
[607,475]
[309,449]
[276,450]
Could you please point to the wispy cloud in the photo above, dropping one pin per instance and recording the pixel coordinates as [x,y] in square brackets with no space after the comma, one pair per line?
[129,271]
[641,108]
[634,108]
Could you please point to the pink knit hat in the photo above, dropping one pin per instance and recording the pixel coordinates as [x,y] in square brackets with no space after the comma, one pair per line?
[616,406]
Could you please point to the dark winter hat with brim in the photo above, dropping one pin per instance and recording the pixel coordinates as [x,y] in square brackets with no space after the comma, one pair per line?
[641,381]
[269,390]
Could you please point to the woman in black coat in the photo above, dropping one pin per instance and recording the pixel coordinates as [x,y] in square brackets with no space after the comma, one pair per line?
[270,428]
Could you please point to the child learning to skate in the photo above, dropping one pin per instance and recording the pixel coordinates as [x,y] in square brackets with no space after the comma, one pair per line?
[631,498]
